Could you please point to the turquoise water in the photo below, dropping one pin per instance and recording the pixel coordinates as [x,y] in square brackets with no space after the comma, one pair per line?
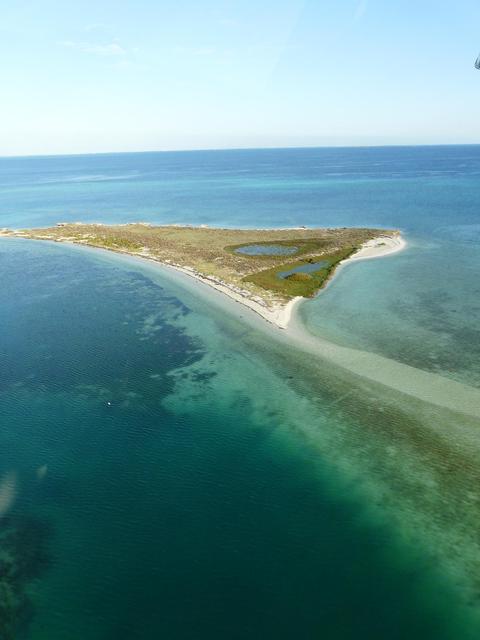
[170,469]
[266,250]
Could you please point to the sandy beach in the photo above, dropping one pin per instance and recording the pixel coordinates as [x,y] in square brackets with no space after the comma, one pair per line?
[277,313]
[425,386]
[280,315]
[379,247]
[422,385]
[416,383]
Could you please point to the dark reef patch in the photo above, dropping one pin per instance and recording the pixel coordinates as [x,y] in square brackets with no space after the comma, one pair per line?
[23,558]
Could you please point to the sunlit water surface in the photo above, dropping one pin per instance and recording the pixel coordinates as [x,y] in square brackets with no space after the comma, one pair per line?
[171,470]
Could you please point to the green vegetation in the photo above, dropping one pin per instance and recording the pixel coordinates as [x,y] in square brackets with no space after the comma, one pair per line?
[116,243]
[300,284]
[299,277]
[212,252]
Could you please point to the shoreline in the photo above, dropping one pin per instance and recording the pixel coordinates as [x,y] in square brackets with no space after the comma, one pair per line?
[277,312]
[422,385]
[280,315]
[379,247]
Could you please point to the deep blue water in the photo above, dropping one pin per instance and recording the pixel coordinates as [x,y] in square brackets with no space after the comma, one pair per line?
[171,472]
[417,188]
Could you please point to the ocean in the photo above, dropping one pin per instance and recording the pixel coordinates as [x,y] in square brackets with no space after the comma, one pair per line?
[172,468]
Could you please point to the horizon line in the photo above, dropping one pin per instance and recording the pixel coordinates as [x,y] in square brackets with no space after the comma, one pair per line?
[217,149]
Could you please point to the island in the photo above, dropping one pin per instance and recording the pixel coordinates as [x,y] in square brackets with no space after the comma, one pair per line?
[268,270]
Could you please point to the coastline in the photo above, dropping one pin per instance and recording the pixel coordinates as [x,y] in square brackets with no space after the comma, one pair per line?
[418,384]
[421,385]
[275,312]
[425,386]
[244,336]
[280,315]
[379,247]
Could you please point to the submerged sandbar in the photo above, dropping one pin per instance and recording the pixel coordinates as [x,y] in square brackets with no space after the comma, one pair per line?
[221,257]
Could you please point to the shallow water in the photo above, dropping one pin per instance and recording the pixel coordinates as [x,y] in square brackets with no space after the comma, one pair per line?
[176,470]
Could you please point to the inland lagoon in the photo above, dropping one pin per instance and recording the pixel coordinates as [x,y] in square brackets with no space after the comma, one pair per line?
[310,267]
[174,466]
[266,250]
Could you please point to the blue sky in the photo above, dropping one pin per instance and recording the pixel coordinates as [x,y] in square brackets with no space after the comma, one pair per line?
[118,76]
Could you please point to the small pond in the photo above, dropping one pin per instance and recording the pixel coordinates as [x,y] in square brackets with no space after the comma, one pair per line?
[310,267]
[266,250]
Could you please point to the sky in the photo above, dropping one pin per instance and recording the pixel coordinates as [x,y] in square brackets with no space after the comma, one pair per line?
[80,77]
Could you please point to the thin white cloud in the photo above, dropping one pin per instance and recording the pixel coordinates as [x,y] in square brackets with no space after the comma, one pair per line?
[108,50]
